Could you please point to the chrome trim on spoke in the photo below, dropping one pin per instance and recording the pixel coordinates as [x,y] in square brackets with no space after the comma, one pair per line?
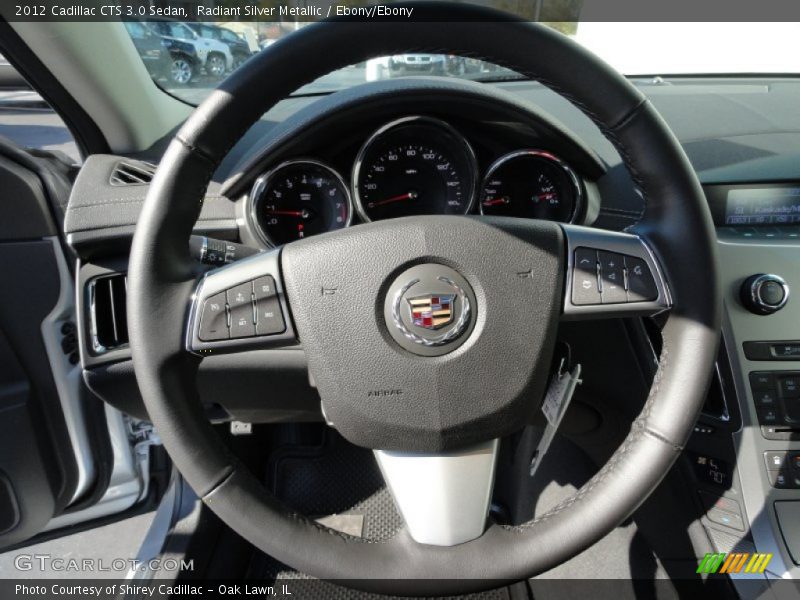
[443,498]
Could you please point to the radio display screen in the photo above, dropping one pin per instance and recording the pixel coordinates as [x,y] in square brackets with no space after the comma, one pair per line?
[763,206]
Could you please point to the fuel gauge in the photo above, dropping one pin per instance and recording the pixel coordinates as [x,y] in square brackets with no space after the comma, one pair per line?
[531,184]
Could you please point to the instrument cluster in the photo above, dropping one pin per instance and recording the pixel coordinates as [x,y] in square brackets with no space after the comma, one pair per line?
[415,165]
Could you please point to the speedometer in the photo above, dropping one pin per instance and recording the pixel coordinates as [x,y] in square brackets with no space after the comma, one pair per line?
[414,166]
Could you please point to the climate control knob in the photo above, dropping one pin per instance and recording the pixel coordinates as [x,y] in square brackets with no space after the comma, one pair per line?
[764,294]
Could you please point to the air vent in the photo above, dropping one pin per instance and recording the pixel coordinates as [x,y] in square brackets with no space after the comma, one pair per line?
[130,172]
[109,317]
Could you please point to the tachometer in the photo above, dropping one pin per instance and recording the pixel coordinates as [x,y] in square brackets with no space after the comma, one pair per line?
[531,184]
[414,166]
[297,199]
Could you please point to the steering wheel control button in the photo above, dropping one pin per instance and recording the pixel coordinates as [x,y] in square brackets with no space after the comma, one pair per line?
[628,280]
[269,318]
[764,294]
[264,287]
[240,301]
[241,295]
[429,309]
[612,278]
[585,283]
[214,319]
[640,282]
[603,277]
[242,321]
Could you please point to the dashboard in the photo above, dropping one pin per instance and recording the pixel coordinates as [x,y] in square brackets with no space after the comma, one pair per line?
[409,166]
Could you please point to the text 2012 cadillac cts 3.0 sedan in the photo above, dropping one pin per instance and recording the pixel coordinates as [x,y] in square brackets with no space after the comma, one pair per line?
[491,331]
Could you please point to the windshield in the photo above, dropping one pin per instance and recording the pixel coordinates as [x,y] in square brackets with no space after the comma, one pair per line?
[189,59]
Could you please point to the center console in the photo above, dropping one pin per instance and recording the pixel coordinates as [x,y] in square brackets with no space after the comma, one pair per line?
[758,231]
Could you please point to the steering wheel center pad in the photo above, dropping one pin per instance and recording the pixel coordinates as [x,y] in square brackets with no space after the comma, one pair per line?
[381,395]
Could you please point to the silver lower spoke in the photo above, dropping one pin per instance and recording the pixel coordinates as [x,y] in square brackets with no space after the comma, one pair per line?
[443,498]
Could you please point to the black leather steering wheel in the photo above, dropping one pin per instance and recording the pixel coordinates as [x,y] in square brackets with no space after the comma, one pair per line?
[436,413]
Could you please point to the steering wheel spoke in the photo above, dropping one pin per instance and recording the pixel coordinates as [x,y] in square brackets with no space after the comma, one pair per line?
[611,274]
[442,497]
[239,307]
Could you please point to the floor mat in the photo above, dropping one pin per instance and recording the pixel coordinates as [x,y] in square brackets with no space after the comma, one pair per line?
[335,478]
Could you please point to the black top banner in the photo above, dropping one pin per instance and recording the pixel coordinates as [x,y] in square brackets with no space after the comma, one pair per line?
[276,11]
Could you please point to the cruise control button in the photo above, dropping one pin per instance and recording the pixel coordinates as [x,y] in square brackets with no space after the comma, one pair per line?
[240,295]
[264,287]
[585,288]
[242,324]
[269,319]
[213,319]
[641,285]
[612,278]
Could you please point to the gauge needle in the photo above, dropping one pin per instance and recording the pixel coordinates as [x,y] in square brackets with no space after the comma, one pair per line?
[303,214]
[546,196]
[493,201]
[408,196]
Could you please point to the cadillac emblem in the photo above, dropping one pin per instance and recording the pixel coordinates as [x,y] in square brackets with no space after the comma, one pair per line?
[430,309]
[432,319]
[432,312]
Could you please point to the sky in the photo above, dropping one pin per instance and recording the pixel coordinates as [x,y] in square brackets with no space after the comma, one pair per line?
[673,48]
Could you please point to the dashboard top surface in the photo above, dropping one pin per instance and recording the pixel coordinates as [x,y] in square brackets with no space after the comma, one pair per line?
[734,130]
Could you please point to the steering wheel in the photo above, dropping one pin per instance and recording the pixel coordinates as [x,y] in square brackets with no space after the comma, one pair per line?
[431,397]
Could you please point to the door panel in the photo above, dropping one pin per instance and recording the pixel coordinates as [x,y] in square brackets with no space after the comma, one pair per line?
[47,456]
[35,455]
